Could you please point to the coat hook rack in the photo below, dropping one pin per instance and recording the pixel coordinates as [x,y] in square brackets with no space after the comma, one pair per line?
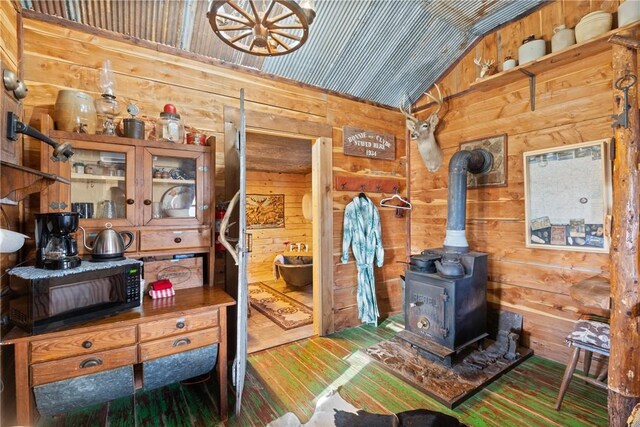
[367,184]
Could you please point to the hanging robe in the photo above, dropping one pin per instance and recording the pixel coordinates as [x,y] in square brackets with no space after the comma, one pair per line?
[362,231]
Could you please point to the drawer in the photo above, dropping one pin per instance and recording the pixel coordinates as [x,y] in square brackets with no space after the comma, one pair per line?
[166,346]
[151,240]
[81,344]
[178,325]
[47,372]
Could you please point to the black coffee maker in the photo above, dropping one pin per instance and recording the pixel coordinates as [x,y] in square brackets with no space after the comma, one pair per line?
[56,249]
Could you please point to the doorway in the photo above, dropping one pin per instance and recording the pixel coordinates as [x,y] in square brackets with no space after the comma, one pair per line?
[271,165]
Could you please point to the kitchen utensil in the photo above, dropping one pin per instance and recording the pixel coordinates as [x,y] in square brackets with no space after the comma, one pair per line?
[156,210]
[181,213]
[56,249]
[108,244]
[107,209]
[178,197]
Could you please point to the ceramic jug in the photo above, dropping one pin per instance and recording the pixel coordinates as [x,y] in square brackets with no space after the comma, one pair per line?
[562,37]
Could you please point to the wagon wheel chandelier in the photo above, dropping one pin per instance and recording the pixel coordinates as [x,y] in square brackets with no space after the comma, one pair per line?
[262,27]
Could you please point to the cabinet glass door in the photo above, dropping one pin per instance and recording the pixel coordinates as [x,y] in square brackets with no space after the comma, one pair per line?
[175,191]
[103,184]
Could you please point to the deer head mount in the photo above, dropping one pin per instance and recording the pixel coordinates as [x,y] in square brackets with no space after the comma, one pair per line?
[486,67]
[424,132]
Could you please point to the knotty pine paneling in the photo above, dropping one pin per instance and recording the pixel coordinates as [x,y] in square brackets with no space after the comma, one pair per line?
[573,104]
[67,56]
[268,242]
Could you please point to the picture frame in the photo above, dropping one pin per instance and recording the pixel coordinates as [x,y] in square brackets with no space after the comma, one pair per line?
[567,194]
[497,175]
[265,211]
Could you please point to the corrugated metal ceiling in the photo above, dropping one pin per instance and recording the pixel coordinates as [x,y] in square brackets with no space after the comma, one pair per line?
[378,50]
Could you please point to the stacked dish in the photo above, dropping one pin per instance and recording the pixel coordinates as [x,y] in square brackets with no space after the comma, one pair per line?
[592,25]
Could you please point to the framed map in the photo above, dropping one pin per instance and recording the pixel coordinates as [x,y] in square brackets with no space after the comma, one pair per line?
[567,194]
[265,211]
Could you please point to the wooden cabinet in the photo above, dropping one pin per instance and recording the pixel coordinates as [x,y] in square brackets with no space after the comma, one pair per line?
[160,191]
[192,319]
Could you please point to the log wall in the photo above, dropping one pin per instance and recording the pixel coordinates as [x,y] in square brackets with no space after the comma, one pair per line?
[573,104]
[61,55]
[268,242]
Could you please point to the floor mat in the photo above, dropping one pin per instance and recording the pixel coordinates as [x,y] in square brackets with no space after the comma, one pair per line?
[281,309]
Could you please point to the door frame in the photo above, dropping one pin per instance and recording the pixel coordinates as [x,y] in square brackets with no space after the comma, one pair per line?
[322,196]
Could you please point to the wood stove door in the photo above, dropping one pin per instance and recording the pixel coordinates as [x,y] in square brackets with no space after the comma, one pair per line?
[429,308]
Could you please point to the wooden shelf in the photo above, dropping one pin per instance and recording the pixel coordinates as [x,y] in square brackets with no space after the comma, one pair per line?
[173,181]
[74,136]
[43,180]
[548,62]
[89,177]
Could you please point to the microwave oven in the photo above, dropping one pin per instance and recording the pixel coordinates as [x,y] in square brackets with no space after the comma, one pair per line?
[46,303]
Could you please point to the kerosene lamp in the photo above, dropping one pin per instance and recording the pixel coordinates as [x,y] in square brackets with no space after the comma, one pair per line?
[107,108]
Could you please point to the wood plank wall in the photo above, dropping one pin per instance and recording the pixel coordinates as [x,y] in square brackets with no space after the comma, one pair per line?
[10,59]
[59,55]
[573,104]
[271,241]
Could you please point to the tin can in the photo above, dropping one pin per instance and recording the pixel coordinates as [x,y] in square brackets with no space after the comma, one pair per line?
[133,128]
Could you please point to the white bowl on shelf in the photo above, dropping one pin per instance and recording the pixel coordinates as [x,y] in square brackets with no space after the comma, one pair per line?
[593,24]
[10,241]
[180,213]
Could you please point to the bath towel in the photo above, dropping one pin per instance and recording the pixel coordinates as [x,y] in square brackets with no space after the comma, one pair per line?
[279,259]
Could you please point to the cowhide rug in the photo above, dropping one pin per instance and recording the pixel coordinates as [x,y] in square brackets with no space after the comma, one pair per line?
[333,410]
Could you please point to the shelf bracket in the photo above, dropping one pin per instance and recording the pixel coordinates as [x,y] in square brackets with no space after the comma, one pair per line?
[532,88]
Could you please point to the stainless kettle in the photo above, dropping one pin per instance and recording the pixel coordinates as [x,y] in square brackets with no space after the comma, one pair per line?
[108,244]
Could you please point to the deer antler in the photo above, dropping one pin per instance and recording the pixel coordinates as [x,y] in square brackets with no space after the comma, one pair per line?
[437,100]
[407,111]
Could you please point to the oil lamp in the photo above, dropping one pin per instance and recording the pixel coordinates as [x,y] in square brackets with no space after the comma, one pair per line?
[107,108]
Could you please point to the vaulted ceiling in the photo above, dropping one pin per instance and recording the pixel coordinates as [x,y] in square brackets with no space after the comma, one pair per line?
[378,50]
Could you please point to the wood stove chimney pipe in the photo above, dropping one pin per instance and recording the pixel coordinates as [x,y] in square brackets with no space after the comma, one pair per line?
[475,161]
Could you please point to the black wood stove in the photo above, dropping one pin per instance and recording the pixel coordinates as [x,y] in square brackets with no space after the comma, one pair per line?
[445,305]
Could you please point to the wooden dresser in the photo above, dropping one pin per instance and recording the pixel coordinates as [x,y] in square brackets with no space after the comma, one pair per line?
[192,319]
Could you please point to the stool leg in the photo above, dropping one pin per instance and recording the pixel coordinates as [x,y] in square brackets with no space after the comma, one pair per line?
[587,362]
[568,372]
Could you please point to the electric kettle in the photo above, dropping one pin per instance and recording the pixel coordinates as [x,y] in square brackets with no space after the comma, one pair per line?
[109,244]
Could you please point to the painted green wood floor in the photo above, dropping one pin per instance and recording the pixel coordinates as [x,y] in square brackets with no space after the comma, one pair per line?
[289,378]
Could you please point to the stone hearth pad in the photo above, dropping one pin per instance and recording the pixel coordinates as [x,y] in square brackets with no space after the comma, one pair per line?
[449,386]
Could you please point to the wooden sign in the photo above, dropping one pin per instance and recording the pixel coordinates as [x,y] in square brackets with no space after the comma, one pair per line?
[367,143]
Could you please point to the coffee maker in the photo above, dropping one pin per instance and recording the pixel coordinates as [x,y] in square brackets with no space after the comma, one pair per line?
[56,249]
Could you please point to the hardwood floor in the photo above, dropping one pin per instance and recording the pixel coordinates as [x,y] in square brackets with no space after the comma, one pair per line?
[290,377]
[264,334]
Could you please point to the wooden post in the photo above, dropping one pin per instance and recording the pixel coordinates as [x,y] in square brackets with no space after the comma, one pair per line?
[624,365]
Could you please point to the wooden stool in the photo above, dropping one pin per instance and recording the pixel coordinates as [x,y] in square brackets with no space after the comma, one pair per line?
[590,334]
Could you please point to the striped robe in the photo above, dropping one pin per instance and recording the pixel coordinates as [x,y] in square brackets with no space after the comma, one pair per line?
[362,231]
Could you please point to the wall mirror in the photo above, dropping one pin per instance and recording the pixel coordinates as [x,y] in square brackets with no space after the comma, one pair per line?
[568,197]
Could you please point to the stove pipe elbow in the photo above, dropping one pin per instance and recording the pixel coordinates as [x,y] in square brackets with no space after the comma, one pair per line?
[475,161]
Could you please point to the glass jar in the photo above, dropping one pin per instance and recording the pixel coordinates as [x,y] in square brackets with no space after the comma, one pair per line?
[170,128]
[107,109]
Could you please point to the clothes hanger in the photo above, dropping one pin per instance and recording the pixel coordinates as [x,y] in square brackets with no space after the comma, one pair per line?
[405,203]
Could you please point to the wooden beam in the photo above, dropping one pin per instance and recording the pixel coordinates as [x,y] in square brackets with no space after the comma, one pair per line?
[624,371]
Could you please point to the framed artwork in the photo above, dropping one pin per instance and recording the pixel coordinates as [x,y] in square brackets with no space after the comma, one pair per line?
[265,211]
[497,175]
[567,194]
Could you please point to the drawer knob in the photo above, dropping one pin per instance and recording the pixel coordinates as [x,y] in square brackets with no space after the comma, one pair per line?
[178,239]
[147,202]
[181,341]
[91,362]
[87,344]
[180,325]
[130,201]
